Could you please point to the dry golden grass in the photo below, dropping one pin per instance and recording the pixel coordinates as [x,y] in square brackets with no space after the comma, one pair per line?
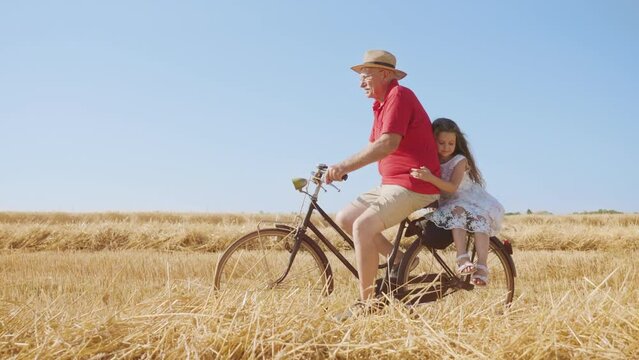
[201,232]
[573,232]
[142,301]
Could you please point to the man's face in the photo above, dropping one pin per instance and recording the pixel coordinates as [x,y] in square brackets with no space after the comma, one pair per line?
[374,81]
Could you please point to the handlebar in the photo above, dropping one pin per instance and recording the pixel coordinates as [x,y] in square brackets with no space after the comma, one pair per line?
[320,176]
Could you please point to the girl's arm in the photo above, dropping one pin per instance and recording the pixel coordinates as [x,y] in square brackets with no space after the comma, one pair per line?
[443,185]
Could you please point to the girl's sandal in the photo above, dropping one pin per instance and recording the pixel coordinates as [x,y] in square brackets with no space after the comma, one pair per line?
[480,280]
[466,267]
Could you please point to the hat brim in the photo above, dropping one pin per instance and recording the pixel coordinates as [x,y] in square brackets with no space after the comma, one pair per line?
[398,73]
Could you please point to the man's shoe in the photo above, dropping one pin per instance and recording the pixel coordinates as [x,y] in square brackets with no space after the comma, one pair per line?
[361,308]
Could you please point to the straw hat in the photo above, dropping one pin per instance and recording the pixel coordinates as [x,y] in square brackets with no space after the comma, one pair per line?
[379,59]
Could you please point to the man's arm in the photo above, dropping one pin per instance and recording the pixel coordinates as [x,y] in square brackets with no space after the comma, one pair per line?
[375,151]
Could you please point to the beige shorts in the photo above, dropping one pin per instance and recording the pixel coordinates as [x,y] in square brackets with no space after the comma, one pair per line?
[393,203]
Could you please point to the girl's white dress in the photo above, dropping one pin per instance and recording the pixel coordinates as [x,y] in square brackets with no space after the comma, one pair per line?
[483,213]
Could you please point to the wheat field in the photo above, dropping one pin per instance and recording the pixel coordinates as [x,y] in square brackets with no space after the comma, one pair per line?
[139,285]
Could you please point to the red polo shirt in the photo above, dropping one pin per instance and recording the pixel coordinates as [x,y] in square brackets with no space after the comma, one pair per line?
[402,113]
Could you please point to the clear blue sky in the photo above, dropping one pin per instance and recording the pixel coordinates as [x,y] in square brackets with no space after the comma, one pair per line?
[204,106]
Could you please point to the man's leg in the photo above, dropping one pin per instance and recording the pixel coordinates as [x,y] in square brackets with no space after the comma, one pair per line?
[367,217]
[366,228]
[349,214]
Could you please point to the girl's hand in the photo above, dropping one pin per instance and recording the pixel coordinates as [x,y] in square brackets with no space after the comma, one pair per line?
[422,173]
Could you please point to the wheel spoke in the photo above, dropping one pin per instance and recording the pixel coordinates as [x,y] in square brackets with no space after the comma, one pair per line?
[258,260]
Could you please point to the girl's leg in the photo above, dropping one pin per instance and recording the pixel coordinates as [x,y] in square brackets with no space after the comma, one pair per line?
[459,238]
[482,244]
[464,266]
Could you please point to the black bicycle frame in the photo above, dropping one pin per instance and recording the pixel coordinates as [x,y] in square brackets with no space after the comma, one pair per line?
[381,286]
[307,224]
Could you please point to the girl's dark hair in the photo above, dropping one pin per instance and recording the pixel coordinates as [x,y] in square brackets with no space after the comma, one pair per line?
[461,145]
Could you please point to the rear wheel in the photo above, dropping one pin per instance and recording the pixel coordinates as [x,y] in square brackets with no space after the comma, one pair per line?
[258,261]
[430,281]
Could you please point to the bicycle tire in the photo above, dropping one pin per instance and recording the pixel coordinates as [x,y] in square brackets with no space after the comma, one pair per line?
[429,281]
[258,259]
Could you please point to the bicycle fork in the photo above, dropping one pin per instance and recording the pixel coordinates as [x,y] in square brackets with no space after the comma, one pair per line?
[294,250]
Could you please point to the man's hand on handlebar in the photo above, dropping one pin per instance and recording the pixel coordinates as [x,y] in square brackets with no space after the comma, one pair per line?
[335,173]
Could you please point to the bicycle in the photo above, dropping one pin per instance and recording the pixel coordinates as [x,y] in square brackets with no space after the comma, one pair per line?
[287,257]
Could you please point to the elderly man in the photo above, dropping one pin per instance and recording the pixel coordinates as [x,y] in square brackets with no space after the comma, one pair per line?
[401,139]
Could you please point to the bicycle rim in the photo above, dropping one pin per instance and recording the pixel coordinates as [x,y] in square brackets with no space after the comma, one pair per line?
[258,261]
[428,281]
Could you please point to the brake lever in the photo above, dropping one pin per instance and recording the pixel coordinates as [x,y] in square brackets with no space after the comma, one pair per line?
[344,178]
[322,180]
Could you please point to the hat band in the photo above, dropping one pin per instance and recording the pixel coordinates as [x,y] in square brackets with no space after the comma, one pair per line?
[380,63]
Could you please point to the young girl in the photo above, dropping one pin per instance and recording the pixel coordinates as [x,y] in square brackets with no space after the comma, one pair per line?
[464,204]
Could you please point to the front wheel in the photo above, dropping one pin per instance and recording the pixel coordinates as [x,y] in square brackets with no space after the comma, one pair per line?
[259,260]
